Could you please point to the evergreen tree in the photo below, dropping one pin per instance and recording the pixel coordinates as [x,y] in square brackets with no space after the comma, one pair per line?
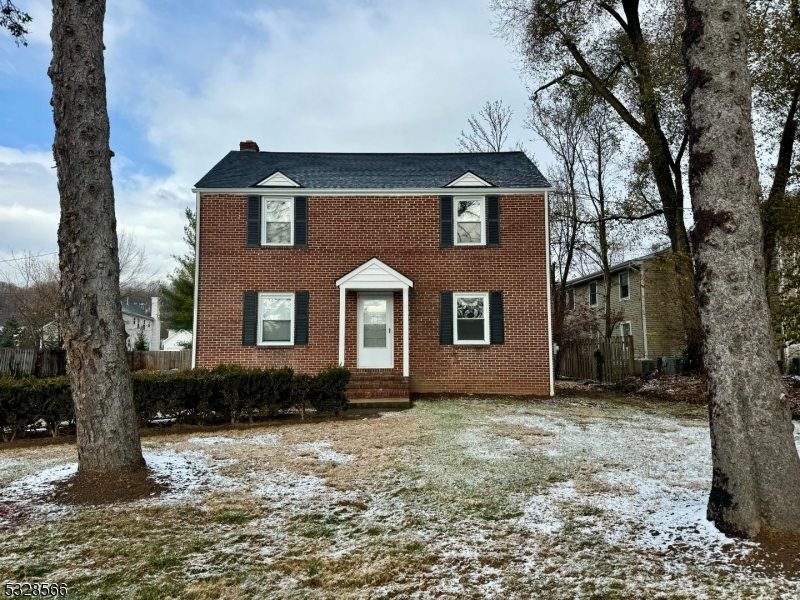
[179,294]
[10,334]
[140,344]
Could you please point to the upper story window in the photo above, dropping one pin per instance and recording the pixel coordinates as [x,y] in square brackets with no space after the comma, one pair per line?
[471,318]
[593,294]
[278,227]
[276,319]
[571,299]
[470,220]
[624,287]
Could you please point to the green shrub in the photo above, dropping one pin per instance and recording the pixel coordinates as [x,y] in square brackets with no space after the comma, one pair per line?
[301,391]
[228,392]
[25,401]
[53,401]
[327,390]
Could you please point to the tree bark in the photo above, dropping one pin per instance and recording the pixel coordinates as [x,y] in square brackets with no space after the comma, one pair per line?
[756,469]
[108,438]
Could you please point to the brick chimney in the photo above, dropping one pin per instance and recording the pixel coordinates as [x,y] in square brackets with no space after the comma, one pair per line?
[248,146]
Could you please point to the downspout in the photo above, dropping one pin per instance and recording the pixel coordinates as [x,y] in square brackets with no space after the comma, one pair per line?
[644,314]
[547,285]
[196,276]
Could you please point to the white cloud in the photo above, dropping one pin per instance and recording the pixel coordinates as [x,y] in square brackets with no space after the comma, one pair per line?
[346,76]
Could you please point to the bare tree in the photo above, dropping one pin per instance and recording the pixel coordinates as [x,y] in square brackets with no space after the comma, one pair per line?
[756,468]
[34,296]
[94,335]
[134,265]
[630,57]
[489,131]
[560,122]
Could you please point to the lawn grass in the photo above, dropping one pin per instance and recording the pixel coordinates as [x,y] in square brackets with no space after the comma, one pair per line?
[469,498]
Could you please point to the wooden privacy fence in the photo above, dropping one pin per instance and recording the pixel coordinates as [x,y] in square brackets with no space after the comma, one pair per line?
[577,358]
[26,362]
[23,362]
[160,360]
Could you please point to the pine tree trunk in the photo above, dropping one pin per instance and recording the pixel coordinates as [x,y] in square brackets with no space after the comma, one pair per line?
[108,438]
[756,469]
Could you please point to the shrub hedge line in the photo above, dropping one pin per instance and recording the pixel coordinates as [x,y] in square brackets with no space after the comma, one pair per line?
[226,393]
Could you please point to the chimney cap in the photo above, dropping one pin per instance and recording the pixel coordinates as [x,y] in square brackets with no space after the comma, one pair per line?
[248,146]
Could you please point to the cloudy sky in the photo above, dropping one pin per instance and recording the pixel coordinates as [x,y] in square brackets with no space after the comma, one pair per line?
[187,81]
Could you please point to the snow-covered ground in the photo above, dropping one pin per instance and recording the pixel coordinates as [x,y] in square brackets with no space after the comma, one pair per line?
[477,499]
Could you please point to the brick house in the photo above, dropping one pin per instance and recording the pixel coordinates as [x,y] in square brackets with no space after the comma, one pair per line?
[418,272]
[644,304]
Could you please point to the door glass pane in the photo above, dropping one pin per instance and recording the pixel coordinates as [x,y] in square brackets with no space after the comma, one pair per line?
[374,323]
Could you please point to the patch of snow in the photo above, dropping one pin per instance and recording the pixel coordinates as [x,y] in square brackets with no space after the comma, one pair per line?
[322,449]
[38,484]
[284,487]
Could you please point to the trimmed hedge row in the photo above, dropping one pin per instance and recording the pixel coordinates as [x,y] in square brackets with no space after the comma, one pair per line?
[226,393]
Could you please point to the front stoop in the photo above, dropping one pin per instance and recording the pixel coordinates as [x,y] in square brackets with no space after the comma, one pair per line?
[378,390]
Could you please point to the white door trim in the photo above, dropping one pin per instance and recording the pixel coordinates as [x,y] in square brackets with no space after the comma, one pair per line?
[389,323]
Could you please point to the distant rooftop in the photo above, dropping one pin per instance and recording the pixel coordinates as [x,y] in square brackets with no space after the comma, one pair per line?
[618,267]
[320,170]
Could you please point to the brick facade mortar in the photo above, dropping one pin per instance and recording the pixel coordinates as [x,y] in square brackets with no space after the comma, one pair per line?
[403,232]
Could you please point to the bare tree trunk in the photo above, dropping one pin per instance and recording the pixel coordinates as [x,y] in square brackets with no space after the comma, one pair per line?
[108,438]
[756,469]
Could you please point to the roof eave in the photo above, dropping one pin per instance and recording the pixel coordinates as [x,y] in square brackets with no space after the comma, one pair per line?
[374,191]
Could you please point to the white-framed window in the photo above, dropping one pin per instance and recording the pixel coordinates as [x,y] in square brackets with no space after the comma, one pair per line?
[624,286]
[277,228]
[469,214]
[570,299]
[593,294]
[275,319]
[625,328]
[471,318]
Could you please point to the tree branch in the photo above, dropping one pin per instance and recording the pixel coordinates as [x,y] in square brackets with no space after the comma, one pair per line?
[565,75]
[616,15]
[649,215]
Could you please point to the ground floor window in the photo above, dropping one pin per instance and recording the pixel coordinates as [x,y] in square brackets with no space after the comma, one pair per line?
[471,314]
[276,319]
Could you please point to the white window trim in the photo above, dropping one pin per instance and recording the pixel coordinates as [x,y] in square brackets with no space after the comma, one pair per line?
[595,293]
[261,342]
[619,282]
[455,220]
[622,329]
[485,296]
[264,200]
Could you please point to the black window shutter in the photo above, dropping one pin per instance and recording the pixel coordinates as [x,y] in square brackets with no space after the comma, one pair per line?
[493,221]
[250,319]
[496,327]
[446,222]
[253,221]
[301,318]
[445,318]
[301,222]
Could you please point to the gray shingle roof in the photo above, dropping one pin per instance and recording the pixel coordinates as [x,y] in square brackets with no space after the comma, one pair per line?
[135,310]
[373,171]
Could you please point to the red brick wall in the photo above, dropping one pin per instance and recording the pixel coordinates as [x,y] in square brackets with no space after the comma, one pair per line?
[403,232]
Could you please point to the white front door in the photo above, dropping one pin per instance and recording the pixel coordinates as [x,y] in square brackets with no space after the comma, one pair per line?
[375,325]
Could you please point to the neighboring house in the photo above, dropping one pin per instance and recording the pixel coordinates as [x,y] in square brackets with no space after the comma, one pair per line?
[643,305]
[177,340]
[137,318]
[430,270]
